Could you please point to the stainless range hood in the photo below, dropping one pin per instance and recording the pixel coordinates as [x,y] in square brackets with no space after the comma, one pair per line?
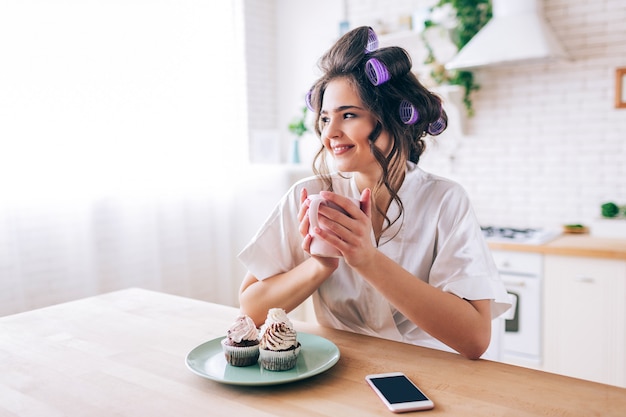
[517,32]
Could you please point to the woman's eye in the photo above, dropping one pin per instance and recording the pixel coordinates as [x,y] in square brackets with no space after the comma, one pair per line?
[349,115]
[324,120]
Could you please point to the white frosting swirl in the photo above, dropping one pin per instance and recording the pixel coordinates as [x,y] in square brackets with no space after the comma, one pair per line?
[277,315]
[278,336]
[243,329]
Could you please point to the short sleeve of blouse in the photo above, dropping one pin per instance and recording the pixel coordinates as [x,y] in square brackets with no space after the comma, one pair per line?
[463,264]
[277,246]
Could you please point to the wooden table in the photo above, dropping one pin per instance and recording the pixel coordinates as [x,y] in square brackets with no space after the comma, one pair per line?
[123,354]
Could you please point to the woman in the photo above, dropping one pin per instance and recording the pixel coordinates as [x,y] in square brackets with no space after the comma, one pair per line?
[415,267]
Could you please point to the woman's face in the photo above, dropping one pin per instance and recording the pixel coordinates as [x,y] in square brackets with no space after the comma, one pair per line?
[345,125]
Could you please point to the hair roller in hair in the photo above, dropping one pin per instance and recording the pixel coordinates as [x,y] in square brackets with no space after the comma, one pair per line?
[372,41]
[376,71]
[408,113]
[307,101]
[437,126]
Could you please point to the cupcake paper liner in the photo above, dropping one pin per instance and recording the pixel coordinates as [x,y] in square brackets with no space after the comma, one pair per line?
[278,360]
[240,355]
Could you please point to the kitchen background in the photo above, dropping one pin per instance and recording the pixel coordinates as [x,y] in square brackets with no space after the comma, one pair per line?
[124,164]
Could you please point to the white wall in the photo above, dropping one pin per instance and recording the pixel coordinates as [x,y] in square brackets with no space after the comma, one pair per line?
[545,147]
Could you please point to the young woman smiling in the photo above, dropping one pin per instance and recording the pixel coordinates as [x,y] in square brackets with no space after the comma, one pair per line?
[414,266]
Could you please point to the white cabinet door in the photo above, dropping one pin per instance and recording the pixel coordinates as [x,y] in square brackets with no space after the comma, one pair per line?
[585,318]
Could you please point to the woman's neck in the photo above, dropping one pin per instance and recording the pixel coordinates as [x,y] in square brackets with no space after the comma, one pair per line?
[364,181]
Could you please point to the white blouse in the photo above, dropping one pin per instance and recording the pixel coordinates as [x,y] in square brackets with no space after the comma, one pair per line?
[437,239]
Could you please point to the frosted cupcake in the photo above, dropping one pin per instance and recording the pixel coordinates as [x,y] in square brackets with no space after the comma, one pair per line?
[279,347]
[241,345]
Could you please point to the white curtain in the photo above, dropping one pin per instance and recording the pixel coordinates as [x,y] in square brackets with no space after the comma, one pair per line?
[122,128]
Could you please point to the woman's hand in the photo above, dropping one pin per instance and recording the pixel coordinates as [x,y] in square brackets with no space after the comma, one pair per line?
[351,232]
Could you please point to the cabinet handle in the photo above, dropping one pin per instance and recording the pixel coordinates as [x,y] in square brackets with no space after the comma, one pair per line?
[584,279]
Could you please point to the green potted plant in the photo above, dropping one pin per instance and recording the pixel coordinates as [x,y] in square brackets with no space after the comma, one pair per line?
[612,210]
[298,127]
[470,16]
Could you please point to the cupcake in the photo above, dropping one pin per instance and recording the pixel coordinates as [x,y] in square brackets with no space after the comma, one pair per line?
[279,347]
[241,345]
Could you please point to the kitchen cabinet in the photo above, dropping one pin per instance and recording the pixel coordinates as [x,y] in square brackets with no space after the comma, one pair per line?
[585,318]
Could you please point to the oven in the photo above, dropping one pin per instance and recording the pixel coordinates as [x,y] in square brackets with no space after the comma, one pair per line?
[522,274]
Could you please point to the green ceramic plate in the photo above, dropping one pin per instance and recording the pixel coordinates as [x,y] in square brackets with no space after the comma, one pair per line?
[316,356]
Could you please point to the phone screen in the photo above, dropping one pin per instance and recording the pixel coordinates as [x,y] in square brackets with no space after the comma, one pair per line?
[398,389]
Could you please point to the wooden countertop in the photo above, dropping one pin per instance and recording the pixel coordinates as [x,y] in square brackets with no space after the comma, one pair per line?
[573,245]
[123,353]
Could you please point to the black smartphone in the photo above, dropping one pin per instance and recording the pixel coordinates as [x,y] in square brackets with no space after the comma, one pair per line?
[398,392]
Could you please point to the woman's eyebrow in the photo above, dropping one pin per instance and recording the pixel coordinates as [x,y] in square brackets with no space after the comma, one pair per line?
[342,108]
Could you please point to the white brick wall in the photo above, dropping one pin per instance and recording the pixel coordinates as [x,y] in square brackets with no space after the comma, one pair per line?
[546,145]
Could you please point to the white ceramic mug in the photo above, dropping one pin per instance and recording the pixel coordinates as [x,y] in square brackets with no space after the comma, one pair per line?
[318,246]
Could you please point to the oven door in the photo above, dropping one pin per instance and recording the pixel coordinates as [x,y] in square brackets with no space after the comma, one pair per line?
[522,337]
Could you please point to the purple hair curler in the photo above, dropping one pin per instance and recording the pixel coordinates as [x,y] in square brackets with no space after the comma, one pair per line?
[408,113]
[376,71]
[437,126]
[307,101]
[372,41]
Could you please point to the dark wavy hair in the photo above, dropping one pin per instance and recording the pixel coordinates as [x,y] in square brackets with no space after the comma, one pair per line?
[347,59]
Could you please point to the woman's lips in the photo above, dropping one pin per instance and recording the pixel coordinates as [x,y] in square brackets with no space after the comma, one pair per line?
[341,149]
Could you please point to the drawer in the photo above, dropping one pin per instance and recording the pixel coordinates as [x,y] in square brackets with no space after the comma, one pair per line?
[518,263]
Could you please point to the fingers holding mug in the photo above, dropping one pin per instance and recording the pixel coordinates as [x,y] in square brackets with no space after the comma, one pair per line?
[318,245]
